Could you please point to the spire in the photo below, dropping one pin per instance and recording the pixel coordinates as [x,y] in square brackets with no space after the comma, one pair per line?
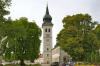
[47,17]
[47,10]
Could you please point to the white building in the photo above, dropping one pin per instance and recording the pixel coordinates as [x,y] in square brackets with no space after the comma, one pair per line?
[50,55]
[58,55]
[47,37]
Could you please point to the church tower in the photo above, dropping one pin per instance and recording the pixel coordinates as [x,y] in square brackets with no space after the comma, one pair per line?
[47,37]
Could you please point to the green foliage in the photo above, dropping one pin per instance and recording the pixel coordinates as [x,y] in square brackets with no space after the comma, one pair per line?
[78,37]
[11,65]
[97,31]
[23,40]
[4,4]
[19,39]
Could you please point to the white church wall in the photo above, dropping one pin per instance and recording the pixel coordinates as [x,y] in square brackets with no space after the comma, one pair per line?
[58,55]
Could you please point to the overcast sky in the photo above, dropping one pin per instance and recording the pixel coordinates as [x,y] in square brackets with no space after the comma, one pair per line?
[35,10]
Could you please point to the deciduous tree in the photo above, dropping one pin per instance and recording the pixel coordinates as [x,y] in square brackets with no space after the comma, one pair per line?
[23,41]
[77,37]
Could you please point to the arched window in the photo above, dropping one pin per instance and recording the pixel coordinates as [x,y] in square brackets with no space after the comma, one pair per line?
[49,30]
[46,30]
[64,58]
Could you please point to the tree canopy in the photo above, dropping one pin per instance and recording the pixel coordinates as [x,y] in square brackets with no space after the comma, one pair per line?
[4,5]
[22,40]
[77,37]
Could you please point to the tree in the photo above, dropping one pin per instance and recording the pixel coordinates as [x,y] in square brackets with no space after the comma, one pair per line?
[4,4]
[23,41]
[97,32]
[77,37]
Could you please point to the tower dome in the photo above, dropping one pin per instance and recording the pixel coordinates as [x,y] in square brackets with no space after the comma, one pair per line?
[47,17]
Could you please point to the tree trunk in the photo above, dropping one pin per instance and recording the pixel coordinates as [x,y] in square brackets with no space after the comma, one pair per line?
[22,62]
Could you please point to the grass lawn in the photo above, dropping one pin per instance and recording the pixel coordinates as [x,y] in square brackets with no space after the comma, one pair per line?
[19,65]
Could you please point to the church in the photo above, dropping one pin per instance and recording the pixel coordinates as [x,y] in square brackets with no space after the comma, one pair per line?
[50,54]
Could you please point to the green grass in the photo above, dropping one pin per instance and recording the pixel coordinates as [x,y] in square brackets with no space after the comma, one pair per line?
[19,65]
[11,65]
